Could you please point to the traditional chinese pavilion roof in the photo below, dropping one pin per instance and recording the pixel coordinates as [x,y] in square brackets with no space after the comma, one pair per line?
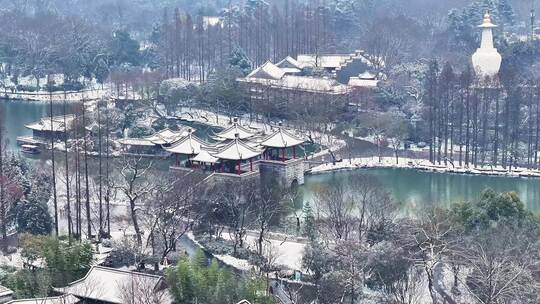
[281,138]
[57,125]
[237,150]
[166,136]
[188,145]
[234,131]
[205,157]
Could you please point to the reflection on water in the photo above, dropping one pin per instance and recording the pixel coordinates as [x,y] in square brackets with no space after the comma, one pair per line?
[417,189]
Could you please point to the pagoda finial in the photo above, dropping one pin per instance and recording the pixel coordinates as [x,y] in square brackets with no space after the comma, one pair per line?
[487,17]
[487,22]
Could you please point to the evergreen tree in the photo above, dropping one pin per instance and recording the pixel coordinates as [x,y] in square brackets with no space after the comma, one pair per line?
[33,217]
[239,59]
[309,222]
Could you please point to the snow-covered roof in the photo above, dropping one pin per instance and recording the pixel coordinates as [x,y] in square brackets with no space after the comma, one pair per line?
[109,284]
[4,291]
[135,142]
[311,83]
[267,71]
[63,299]
[166,136]
[364,83]
[188,145]
[291,71]
[236,130]
[281,138]
[205,157]
[367,75]
[237,150]
[44,124]
[333,61]
[289,64]
[302,83]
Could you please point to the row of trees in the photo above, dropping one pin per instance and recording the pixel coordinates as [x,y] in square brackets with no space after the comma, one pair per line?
[194,47]
[45,43]
[475,121]
[453,255]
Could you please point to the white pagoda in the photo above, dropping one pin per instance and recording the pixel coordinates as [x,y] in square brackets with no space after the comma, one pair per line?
[487,60]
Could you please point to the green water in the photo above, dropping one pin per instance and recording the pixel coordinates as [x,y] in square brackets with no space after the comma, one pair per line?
[415,190]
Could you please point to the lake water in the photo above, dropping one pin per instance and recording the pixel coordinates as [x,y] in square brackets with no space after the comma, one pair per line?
[414,189]
[16,114]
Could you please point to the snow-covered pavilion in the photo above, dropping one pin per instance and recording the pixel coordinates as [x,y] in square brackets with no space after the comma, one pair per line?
[55,127]
[277,144]
[277,160]
[190,145]
[237,152]
[236,130]
[155,143]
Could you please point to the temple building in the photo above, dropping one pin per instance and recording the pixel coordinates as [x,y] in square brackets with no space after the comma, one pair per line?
[311,77]
[487,60]
[48,128]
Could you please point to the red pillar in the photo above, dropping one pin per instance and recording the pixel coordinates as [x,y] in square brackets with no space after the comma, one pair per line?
[239,168]
[251,164]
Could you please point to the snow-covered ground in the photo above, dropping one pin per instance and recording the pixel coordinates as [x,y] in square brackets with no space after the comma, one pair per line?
[422,164]
[44,96]
[286,252]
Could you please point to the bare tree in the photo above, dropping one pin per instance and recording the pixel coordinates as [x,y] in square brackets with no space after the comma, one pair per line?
[171,211]
[433,240]
[265,209]
[143,290]
[136,184]
[501,269]
[336,211]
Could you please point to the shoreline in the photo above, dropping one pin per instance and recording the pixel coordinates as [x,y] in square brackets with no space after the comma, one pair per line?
[420,165]
[43,96]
